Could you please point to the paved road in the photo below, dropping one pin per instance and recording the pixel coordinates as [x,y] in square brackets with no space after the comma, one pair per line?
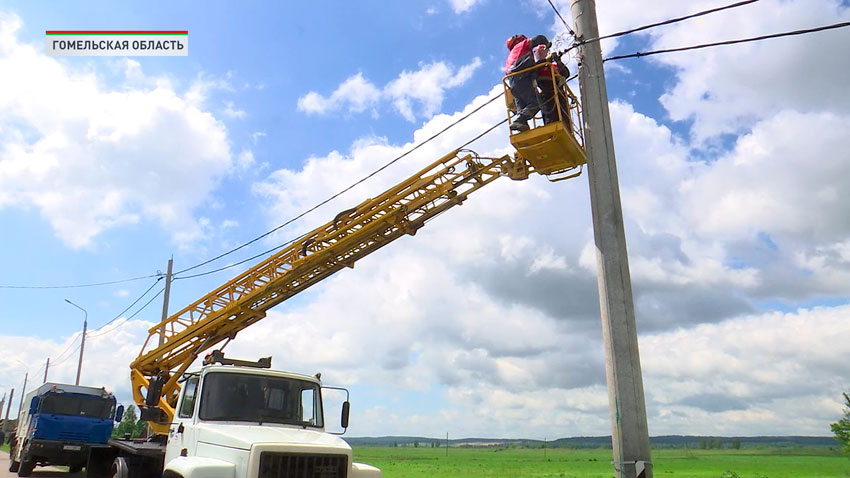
[40,471]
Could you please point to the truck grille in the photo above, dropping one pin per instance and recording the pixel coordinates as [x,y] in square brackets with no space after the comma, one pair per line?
[67,435]
[296,465]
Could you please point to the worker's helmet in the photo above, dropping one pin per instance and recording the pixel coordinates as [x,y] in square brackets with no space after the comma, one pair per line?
[513,41]
[540,40]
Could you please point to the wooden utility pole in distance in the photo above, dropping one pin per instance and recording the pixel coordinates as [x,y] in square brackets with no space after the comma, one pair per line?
[630,434]
[8,406]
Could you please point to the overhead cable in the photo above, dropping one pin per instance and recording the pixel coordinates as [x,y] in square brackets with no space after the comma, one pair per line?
[62,360]
[76,286]
[269,251]
[562,19]
[665,22]
[730,42]
[68,347]
[322,203]
[128,307]
[109,331]
[266,234]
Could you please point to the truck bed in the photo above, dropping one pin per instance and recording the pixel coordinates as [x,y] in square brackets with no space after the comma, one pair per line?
[139,448]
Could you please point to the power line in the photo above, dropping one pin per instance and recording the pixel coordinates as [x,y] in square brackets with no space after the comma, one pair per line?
[230,266]
[76,286]
[730,42]
[109,331]
[68,347]
[59,361]
[128,307]
[266,234]
[146,304]
[562,19]
[665,22]
[269,251]
[322,203]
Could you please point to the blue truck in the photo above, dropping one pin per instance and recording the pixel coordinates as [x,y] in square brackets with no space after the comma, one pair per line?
[60,424]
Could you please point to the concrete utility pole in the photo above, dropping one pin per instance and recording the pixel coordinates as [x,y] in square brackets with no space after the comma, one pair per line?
[165,301]
[46,368]
[83,343]
[23,392]
[630,434]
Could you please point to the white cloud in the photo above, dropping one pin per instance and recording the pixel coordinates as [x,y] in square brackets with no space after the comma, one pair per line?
[724,89]
[232,112]
[355,95]
[90,158]
[245,160]
[751,370]
[425,87]
[462,6]
[256,136]
[105,361]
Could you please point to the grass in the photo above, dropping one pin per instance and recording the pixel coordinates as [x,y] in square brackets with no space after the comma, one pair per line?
[566,463]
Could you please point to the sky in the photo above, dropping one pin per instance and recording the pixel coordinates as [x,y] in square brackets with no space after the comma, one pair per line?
[733,167]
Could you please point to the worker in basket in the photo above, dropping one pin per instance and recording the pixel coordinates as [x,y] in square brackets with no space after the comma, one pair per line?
[549,83]
[522,85]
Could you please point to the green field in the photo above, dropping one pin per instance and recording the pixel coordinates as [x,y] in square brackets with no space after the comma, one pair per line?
[522,463]
[564,463]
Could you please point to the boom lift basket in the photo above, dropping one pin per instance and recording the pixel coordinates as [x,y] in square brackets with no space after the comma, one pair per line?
[556,148]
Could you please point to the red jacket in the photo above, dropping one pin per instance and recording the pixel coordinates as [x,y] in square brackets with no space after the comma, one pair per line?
[517,53]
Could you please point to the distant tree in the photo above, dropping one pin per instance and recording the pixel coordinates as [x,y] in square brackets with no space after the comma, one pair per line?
[395,444]
[736,443]
[718,443]
[703,444]
[841,428]
[130,424]
[415,443]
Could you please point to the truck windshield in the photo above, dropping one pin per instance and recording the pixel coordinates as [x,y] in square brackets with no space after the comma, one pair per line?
[260,398]
[80,406]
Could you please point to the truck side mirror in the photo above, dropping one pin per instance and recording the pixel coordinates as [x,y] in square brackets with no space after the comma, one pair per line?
[119,413]
[345,409]
[34,405]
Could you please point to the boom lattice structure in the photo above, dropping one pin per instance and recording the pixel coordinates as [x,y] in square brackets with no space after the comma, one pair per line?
[350,236]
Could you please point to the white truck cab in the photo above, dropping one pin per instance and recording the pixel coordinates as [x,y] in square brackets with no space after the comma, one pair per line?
[245,421]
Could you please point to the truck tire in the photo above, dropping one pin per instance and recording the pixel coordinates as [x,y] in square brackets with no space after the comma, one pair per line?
[75,468]
[99,461]
[14,465]
[27,466]
[120,468]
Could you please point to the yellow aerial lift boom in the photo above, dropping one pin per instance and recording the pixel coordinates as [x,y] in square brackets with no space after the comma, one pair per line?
[174,344]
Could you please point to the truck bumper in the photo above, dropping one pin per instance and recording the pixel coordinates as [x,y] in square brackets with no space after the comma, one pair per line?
[60,452]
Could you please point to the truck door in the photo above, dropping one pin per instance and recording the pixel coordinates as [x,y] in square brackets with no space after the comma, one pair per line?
[181,434]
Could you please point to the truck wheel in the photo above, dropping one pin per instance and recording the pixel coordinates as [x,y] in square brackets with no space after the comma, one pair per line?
[75,468]
[26,467]
[120,468]
[12,444]
[14,465]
